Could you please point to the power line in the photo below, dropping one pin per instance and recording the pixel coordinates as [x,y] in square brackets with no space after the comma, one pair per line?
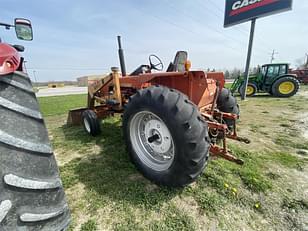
[201,22]
[224,35]
[234,27]
[181,27]
[68,68]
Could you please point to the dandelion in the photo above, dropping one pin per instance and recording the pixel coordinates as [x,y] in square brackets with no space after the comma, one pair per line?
[226,185]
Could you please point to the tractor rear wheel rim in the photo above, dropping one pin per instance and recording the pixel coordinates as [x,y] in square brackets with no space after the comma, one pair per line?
[87,125]
[152,140]
[286,87]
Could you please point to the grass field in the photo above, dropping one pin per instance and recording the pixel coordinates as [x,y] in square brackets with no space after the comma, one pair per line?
[269,192]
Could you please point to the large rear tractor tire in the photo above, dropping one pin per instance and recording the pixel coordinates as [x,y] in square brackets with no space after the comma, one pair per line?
[166,137]
[285,87]
[226,102]
[31,192]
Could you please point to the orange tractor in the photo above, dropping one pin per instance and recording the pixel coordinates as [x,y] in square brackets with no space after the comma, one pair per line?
[172,120]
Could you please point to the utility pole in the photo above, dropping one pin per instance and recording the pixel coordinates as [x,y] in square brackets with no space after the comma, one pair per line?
[273,55]
[306,63]
[34,75]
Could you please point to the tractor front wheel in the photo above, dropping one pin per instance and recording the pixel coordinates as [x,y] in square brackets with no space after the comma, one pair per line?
[90,122]
[166,136]
[251,89]
[285,87]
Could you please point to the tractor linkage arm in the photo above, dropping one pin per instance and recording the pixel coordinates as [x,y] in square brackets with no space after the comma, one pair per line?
[223,130]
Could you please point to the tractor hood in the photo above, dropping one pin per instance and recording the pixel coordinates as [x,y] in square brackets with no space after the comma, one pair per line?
[9,59]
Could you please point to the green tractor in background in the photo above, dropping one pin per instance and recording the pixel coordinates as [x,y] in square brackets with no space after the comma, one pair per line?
[272,78]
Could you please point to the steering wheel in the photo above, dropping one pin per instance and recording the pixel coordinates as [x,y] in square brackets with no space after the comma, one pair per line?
[156,63]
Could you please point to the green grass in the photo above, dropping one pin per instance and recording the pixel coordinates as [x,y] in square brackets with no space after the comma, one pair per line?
[90,225]
[110,181]
[175,219]
[288,141]
[57,105]
[287,160]
[228,85]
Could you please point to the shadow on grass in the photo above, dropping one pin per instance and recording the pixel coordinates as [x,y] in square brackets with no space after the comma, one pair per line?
[108,173]
[259,95]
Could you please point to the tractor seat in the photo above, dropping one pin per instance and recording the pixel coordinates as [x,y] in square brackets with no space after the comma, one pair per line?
[178,65]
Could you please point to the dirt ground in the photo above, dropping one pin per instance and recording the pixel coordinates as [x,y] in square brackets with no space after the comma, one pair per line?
[269,192]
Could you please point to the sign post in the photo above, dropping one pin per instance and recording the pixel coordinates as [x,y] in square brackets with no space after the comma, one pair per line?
[246,75]
[239,11]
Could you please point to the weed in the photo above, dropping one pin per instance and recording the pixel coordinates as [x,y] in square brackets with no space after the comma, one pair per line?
[127,223]
[210,202]
[90,225]
[254,180]
[174,220]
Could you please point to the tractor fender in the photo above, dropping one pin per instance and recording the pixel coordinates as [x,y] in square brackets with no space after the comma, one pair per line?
[255,83]
[9,59]
[282,76]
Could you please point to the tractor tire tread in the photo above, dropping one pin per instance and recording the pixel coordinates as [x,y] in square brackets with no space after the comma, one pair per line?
[93,121]
[275,90]
[189,133]
[30,185]
[226,102]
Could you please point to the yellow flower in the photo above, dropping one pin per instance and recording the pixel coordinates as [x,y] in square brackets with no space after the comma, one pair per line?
[234,190]
[257,205]
[226,185]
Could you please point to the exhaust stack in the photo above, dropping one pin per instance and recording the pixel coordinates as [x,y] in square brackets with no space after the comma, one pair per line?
[121,57]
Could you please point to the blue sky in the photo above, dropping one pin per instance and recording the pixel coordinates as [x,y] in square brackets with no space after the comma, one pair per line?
[75,38]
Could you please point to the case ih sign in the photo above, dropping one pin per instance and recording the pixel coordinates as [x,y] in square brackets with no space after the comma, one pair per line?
[238,11]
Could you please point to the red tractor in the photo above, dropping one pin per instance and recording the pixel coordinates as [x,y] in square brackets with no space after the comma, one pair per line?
[31,192]
[302,75]
[172,120]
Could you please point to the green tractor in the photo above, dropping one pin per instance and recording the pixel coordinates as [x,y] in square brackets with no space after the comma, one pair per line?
[271,78]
